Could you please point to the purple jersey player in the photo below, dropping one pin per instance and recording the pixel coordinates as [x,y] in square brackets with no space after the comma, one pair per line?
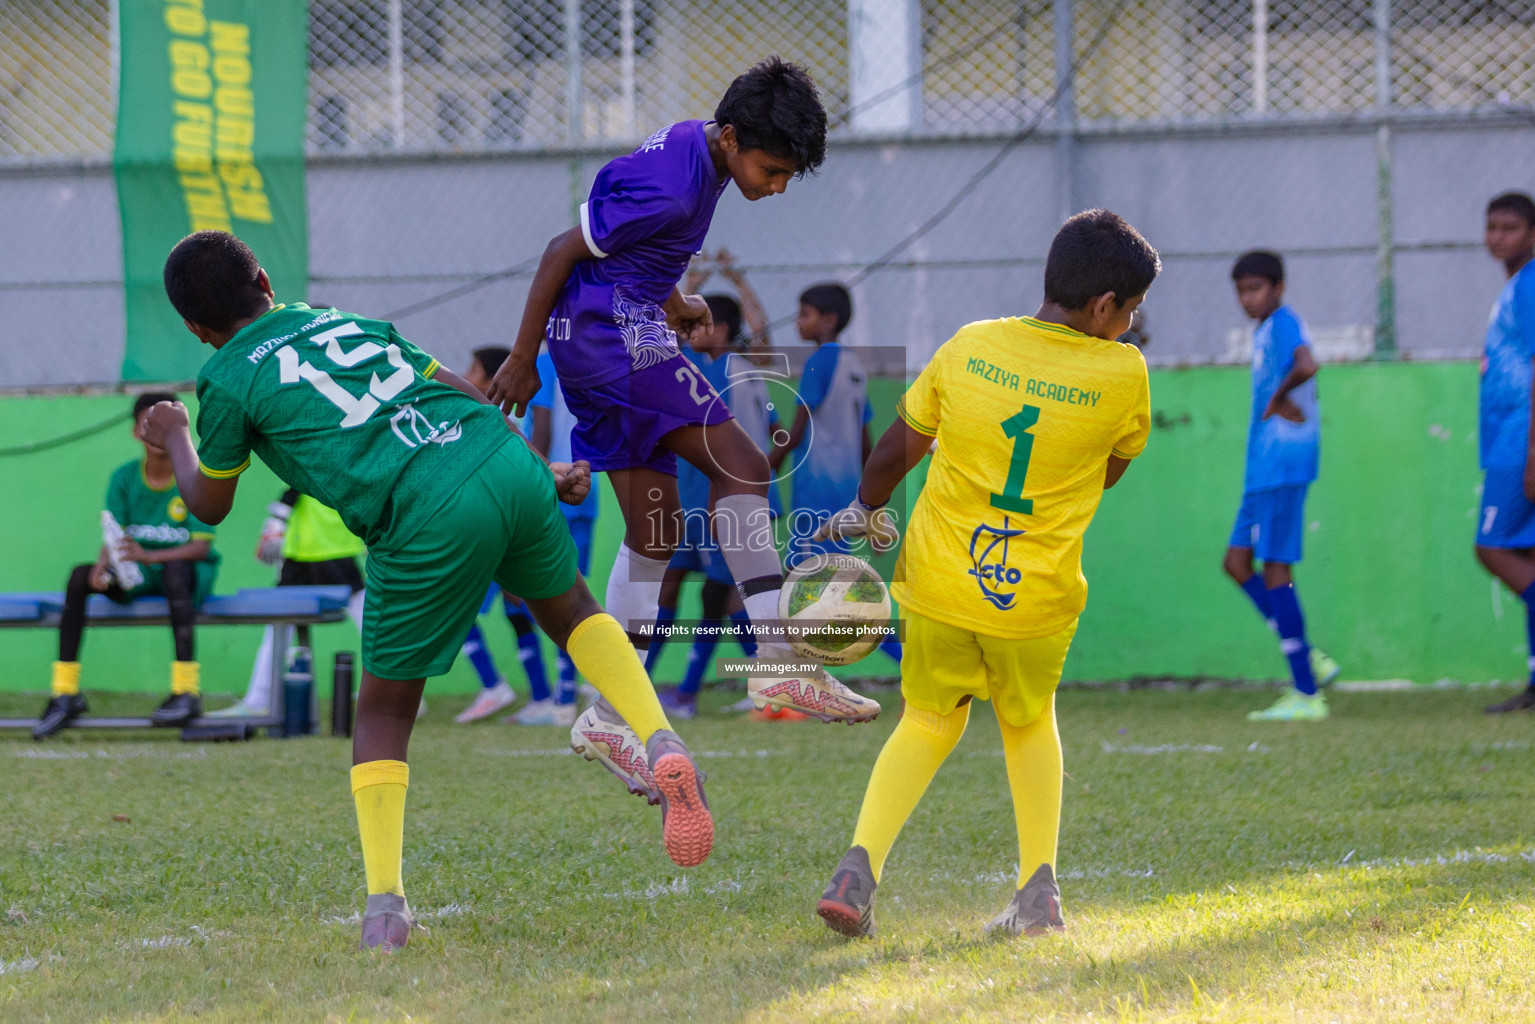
[606,298]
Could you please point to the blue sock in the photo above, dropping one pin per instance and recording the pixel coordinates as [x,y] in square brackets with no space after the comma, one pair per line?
[891,646]
[698,658]
[740,625]
[566,692]
[1528,597]
[1260,595]
[479,656]
[664,617]
[530,653]
[1292,636]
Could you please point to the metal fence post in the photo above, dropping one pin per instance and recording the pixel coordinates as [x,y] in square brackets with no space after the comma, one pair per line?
[397,73]
[1260,57]
[573,99]
[626,65]
[1065,108]
[1385,243]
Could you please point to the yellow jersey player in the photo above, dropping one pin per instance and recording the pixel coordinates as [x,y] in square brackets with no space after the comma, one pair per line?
[1033,417]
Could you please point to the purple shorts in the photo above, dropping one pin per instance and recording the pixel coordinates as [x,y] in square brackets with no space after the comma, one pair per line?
[619,425]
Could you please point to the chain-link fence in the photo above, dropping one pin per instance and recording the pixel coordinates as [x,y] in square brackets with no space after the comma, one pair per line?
[416,76]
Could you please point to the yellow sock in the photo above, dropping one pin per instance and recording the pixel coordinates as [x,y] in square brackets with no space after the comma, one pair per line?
[603,654]
[186,677]
[1034,767]
[906,765]
[66,678]
[378,788]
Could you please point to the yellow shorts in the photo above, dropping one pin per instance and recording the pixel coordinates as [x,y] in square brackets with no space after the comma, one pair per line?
[942,665]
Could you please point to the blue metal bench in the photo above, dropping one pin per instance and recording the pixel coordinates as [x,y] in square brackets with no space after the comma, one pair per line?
[283,608]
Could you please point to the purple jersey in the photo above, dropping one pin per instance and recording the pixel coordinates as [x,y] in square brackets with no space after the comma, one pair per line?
[647,215]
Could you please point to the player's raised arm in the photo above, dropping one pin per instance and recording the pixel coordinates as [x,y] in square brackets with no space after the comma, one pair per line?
[208,498]
[517,380]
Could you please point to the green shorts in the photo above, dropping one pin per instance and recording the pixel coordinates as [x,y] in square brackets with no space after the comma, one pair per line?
[205,573]
[424,591]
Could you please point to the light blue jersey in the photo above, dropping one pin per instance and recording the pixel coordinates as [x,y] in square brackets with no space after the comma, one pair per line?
[746,396]
[828,462]
[1281,453]
[1506,377]
[561,422]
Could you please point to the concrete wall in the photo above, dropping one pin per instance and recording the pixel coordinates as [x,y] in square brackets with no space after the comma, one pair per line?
[388,234]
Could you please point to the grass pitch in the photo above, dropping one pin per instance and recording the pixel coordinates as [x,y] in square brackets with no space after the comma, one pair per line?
[1376,867]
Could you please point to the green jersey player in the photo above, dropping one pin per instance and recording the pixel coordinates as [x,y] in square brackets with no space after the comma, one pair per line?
[162,550]
[448,498]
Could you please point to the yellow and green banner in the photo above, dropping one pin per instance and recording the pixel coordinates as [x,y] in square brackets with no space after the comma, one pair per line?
[210,134]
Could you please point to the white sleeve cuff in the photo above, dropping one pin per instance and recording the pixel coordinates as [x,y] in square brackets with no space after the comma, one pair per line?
[586,233]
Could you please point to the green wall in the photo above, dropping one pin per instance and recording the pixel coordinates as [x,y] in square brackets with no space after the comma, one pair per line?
[1389,583]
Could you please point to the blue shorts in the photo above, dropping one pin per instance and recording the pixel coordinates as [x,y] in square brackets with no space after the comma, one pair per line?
[581,533]
[699,553]
[1507,518]
[619,425]
[1272,523]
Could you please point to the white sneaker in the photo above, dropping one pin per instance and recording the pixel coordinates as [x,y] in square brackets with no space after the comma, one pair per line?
[487,703]
[819,696]
[601,735]
[545,712]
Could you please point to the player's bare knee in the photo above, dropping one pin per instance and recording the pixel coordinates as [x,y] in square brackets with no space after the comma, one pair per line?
[1277,574]
[1237,564]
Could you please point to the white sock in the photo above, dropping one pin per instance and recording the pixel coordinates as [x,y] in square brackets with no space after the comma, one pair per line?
[634,590]
[259,693]
[743,528]
[354,608]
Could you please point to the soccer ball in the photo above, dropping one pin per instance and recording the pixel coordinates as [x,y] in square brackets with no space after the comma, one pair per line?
[835,607]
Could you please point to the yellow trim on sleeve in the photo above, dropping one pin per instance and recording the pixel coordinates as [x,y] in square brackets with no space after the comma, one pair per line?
[431,368]
[921,428]
[1122,455]
[224,474]
[203,536]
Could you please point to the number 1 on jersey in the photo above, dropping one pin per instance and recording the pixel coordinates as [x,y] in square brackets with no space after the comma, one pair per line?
[1017,427]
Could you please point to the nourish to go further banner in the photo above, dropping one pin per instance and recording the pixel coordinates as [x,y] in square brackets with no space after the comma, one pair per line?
[210,134]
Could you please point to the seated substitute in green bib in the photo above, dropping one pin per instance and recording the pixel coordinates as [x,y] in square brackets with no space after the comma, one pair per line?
[172,552]
[447,496]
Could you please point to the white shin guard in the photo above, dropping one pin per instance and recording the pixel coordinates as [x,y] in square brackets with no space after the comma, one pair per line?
[743,527]
[634,590]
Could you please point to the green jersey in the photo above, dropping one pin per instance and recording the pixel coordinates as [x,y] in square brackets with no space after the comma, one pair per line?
[155,517]
[346,410]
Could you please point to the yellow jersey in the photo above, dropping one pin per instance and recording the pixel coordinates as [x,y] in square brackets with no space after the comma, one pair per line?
[1026,414]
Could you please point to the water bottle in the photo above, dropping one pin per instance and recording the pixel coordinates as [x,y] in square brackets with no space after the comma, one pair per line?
[298,693]
[341,695]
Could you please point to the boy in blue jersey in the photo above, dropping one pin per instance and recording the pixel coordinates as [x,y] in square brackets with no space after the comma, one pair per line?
[1505,534]
[552,423]
[1283,442]
[605,295]
[830,436]
[495,693]
[745,394]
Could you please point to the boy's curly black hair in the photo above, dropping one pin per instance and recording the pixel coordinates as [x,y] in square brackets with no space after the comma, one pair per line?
[775,107]
[1096,252]
[210,277]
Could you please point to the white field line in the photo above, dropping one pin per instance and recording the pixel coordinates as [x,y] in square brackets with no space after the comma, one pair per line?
[127,753]
[21,965]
